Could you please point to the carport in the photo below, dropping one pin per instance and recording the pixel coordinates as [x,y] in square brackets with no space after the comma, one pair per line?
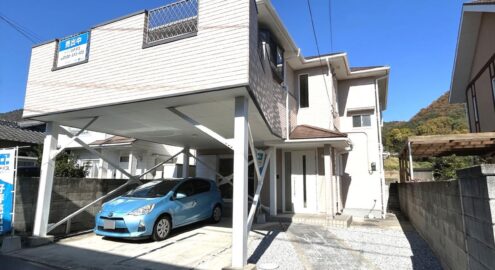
[477,144]
[218,119]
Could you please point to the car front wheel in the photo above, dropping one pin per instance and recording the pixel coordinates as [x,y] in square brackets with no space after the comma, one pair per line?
[162,228]
[216,215]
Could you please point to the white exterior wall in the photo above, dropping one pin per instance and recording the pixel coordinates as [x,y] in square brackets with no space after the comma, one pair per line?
[364,187]
[120,70]
[319,112]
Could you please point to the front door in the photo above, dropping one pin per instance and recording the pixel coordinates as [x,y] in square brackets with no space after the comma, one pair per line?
[304,194]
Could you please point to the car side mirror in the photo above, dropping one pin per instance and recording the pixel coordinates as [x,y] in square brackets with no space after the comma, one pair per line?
[179,196]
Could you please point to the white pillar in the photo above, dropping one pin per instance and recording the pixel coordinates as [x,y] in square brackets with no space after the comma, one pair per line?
[46,180]
[130,165]
[273,182]
[185,162]
[328,180]
[239,211]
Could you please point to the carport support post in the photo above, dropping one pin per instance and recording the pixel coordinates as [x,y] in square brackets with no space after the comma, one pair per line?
[185,162]
[240,190]
[46,180]
[273,182]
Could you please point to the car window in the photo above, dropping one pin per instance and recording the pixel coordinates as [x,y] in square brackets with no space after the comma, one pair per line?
[186,189]
[200,186]
[152,189]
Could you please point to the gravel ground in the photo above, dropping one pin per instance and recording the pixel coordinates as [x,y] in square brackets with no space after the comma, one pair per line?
[389,244]
[380,244]
[273,250]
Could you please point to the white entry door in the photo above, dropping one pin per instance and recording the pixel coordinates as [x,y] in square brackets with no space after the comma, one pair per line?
[304,194]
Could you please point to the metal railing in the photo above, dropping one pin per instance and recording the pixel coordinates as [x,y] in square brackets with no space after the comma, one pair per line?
[171,22]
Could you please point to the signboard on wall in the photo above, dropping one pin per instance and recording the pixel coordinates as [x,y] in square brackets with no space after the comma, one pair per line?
[260,158]
[7,173]
[72,50]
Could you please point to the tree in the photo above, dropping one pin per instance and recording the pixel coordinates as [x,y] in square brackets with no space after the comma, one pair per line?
[396,138]
[445,168]
[65,166]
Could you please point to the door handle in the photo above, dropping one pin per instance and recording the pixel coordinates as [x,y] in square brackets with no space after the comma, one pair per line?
[194,203]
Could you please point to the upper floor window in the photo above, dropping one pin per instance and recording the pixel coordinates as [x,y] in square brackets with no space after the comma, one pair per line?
[363,120]
[274,52]
[171,22]
[303,91]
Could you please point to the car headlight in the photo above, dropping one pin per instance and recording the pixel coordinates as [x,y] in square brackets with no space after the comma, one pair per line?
[142,210]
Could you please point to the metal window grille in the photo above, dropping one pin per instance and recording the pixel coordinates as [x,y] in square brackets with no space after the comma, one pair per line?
[171,22]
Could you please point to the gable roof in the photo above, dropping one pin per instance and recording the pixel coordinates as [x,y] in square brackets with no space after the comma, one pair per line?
[466,46]
[312,132]
[10,131]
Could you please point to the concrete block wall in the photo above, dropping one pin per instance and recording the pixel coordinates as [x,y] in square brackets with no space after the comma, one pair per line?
[456,217]
[69,194]
[478,201]
[434,209]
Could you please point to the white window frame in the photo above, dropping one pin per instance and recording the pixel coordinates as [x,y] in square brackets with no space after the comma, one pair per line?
[361,118]
[299,91]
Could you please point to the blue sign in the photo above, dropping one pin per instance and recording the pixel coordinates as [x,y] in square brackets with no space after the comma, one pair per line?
[7,173]
[73,50]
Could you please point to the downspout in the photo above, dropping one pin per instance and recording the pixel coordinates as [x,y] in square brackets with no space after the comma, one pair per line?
[380,146]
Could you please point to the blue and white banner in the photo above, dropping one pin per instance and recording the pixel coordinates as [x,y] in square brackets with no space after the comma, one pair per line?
[73,50]
[7,173]
[260,158]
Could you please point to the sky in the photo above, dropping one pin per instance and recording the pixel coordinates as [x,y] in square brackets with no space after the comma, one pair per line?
[416,38]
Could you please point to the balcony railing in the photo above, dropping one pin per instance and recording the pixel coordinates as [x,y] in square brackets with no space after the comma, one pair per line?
[171,22]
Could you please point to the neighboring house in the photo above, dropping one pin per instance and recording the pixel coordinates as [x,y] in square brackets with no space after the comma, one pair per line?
[13,134]
[135,156]
[473,77]
[237,50]
[214,78]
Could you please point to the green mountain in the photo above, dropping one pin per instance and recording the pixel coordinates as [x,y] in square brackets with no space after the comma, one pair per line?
[440,117]
[12,116]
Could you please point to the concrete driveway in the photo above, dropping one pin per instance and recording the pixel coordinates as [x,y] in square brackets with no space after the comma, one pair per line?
[384,244]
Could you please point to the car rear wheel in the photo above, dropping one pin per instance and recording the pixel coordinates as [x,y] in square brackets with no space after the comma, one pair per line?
[162,228]
[216,215]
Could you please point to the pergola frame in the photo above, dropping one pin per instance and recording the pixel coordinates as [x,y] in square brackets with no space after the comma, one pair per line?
[469,144]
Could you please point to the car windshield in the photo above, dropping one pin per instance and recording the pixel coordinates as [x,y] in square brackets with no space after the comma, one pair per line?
[153,189]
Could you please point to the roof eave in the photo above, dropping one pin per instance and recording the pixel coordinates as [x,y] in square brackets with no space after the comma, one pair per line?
[465,49]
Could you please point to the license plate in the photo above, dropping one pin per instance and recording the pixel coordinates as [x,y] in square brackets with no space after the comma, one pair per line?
[109,224]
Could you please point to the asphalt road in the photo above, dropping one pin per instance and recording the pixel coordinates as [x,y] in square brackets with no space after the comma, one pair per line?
[13,263]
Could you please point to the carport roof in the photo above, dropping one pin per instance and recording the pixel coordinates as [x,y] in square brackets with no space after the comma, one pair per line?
[459,144]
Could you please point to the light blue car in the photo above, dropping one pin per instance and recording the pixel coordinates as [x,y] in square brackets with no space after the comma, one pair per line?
[155,208]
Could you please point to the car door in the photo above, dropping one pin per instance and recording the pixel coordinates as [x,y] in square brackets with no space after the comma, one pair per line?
[202,209]
[184,203]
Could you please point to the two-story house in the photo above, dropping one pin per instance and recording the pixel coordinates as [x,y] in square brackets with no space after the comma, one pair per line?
[226,79]
[473,77]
